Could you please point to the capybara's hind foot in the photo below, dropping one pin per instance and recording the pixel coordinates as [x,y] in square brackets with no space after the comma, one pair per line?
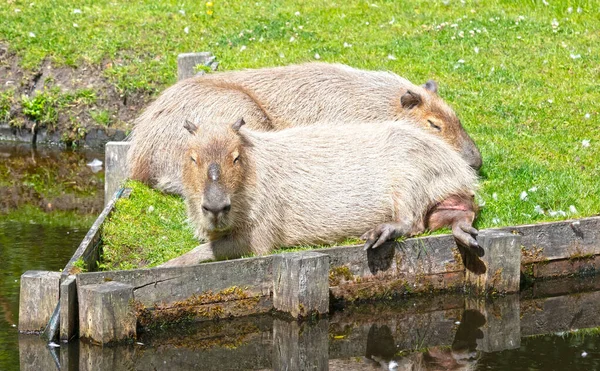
[383,232]
[465,234]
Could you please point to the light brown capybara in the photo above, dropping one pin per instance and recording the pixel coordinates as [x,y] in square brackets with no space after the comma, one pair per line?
[282,97]
[250,192]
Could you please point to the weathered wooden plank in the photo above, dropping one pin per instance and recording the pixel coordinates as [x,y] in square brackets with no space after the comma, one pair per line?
[88,248]
[559,240]
[69,315]
[37,300]
[166,285]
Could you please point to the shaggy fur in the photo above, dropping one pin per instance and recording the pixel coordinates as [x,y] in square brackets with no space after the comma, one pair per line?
[282,97]
[315,185]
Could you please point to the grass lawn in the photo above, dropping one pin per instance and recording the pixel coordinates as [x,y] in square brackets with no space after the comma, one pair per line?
[522,75]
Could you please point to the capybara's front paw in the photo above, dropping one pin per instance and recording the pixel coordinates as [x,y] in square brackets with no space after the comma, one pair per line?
[465,234]
[378,235]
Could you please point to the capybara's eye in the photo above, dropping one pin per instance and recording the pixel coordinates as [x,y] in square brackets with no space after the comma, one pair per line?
[434,125]
[193,159]
[236,157]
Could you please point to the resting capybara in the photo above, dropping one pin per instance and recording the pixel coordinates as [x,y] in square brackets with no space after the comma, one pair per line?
[251,192]
[282,97]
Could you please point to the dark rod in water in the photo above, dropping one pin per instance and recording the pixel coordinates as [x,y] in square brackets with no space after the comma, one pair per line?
[51,332]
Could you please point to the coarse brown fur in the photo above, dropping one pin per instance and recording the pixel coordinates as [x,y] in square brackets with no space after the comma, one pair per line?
[282,97]
[315,185]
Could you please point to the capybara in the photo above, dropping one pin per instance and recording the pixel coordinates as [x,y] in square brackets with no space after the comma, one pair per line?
[250,192]
[282,97]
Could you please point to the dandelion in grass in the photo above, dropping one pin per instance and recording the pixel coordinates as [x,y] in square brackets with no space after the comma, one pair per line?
[209,8]
[585,143]
[523,196]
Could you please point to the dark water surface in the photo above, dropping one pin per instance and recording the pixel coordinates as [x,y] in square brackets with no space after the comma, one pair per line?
[546,327]
[48,198]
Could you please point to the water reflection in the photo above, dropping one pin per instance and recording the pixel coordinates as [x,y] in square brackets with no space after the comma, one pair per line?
[445,333]
[48,200]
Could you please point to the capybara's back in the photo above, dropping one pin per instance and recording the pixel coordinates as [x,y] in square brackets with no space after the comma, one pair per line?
[281,97]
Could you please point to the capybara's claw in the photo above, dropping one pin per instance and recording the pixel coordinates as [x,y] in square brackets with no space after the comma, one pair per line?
[465,235]
[469,229]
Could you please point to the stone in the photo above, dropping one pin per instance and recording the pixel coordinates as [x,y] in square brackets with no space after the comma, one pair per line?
[116,168]
[301,283]
[187,62]
[106,314]
[502,260]
[38,299]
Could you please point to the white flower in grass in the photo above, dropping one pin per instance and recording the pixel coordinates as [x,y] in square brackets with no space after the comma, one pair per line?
[533,189]
[317,56]
[243,48]
[495,196]
[575,56]
[461,61]
[391,57]
[75,25]
[292,39]
[584,354]
[585,143]
[76,11]
[550,101]
[186,30]
[579,10]
[538,209]
[17,10]
[496,221]
[181,11]
[523,196]
[281,55]
[476,50]
[519,37]
[297,14]
[545,2]
[587,115]
[392,21]
[150,209]
[346,45]
[31,34]
[572,209]
[570,9]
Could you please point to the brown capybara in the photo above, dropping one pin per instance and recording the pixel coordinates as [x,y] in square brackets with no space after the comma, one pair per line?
[282,97]
[250,192]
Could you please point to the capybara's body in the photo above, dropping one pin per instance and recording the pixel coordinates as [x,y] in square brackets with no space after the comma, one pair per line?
[252,192]
[282,97]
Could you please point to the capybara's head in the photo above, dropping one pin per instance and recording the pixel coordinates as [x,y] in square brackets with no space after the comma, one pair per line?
[213,172]
[433,114]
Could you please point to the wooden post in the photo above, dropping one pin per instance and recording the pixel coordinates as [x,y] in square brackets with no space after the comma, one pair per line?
[187,62]
[38,298]
[116,169]
[502,259]
[68,309]
[105,312]
[301,283]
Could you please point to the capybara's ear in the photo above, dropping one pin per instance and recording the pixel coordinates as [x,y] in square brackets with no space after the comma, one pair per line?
[431,85]
[238,124]
[410,100]
[190,126]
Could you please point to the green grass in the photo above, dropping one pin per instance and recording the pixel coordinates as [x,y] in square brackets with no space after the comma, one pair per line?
[523,76]
[146,229]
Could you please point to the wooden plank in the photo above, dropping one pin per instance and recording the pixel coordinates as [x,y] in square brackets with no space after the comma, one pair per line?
[166,285]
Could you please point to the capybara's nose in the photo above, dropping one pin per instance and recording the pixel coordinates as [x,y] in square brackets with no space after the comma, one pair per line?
[216,208]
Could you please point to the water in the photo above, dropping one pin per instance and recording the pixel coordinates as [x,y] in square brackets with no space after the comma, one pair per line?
[544,328]
[48,199]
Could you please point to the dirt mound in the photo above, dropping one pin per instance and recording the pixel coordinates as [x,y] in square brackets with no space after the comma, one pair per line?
[63,105]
